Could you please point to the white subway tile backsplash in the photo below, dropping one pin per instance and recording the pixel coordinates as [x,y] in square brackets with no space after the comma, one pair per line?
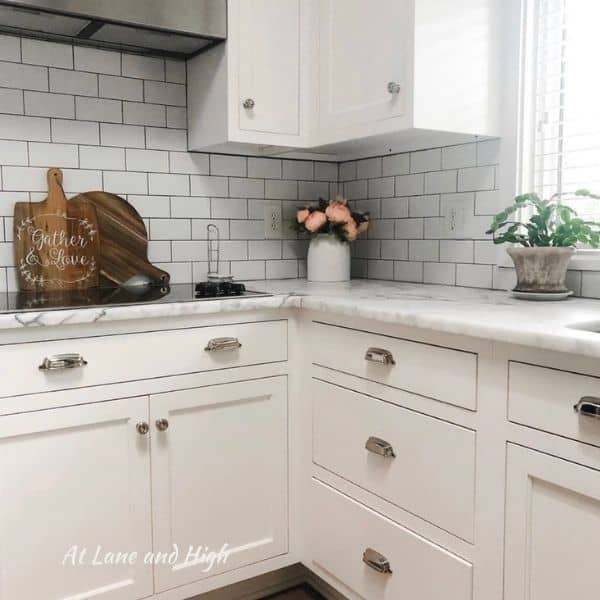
[409,229]
[394,208]
[127,136]
[382,187]
[192,163]
[207,185]
[229,208]
[143,67]
[138,113]
[248,270]
[439,273]
[297,169]
[295,248]
[456,157]
[190,207]
[408,271]
[96,60]
[161,184]
[426,160]
[50,54]
[6,255]
[189,250]
[175,70]
[281,189]
[486,252]
[478,276]
[176,117]
[265,250]
[381,229]
[10,48]
[31,179]
[13,153]
[156,161]
[246,188]
[310,191]
[77,181]
[380,269]
[234,250]
[166,139]
[11,101]
[456,251]
[98,157]
[366,248]
[440,182]
[120,88]
[73,82]
[488,152]
[159,92]
[170,229]
[159,251]
[423,250]
[7,202]
[356,190]
[398,164]
[424,206]
[75,132]
[126,182]
[151,207]
[369,168]
[326,171]
[181,272]
[246,230]
[476,178]
[347,171]
[222,164]
[53,155]
[487,203]
[43,104]
[410,185]
[281,269]
[98,109]
[264,168]
[394,249]
[23,77]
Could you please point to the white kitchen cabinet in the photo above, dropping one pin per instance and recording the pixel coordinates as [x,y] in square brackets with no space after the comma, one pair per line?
[75,479]
[250,90]
[552,528]
[219,476]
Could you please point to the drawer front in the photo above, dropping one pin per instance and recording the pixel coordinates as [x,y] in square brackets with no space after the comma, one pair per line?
[419,569]
[118,358]
[545,398]
[426,466]
[441,373]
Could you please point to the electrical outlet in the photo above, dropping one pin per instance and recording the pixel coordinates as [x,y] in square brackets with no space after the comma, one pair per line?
[273,221]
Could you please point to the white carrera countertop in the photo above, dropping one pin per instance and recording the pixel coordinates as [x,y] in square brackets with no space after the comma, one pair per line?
[484,314]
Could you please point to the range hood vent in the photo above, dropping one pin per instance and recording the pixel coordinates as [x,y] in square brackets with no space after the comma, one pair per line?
[179,28]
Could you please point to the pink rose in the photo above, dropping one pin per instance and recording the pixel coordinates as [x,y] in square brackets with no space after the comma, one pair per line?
[337,212]
[351,230]
[315,221]
[302,215]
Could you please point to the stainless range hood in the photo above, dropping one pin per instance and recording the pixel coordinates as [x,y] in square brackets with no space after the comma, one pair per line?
[166,27]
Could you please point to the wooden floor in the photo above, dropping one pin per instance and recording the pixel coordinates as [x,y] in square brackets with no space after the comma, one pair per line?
[300,593]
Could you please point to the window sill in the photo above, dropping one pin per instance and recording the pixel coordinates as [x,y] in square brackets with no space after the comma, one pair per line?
[583,260]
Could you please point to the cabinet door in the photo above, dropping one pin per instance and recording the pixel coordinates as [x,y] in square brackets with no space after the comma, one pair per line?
[219,477]
[552,528]
[268,64]
[75,484]
[362,49]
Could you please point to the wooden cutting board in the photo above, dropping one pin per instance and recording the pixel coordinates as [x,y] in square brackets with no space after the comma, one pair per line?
[56,242]
[124,248]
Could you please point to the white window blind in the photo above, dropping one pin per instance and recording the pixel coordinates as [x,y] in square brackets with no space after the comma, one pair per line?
[567,101]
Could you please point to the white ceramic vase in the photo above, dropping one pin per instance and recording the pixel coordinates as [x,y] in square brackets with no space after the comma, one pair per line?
[328,259]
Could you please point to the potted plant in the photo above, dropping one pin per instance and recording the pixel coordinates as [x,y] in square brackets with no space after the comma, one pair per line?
[332,226]
[545,242]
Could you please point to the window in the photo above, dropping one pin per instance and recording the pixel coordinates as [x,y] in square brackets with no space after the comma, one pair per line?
[562,107]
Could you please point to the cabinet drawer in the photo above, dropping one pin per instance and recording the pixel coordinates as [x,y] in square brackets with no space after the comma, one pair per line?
[440,373]
[431,472]
[118,358]
[420,569]
[545,398]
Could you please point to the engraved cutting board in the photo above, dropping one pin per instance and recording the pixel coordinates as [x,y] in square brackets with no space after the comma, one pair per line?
[56,242]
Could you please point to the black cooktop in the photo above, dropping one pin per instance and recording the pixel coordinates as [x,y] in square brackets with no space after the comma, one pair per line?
[119,296]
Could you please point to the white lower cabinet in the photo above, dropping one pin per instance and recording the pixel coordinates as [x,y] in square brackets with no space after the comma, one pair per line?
[72,480]
[219,476]
[552,528]
[378,559]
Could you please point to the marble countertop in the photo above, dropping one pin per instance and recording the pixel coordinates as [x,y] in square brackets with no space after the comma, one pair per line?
[479,313]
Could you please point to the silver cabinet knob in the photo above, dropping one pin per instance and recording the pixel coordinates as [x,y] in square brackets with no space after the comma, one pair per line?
[588,406]
[376,561]
[249,103]
[222,344]
[142,428]
[59,362]
[162,424]
[379,355]
[378,446]
[393,87]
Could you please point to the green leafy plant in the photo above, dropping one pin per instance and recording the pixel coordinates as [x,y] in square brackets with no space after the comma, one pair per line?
[550,224]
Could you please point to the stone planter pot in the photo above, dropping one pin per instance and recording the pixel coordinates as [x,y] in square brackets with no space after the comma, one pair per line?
[328,259]
[541,270]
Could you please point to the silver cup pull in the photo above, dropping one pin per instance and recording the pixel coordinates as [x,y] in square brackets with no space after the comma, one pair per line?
[376,561]
[142,428]
[378,446]
[59,362]
[162,424]
[588,406]
[379,355]
[249,103]
[222,344]
[393,87]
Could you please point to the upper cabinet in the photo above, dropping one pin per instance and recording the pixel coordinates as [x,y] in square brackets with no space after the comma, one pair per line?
[348,78]
[250,91]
